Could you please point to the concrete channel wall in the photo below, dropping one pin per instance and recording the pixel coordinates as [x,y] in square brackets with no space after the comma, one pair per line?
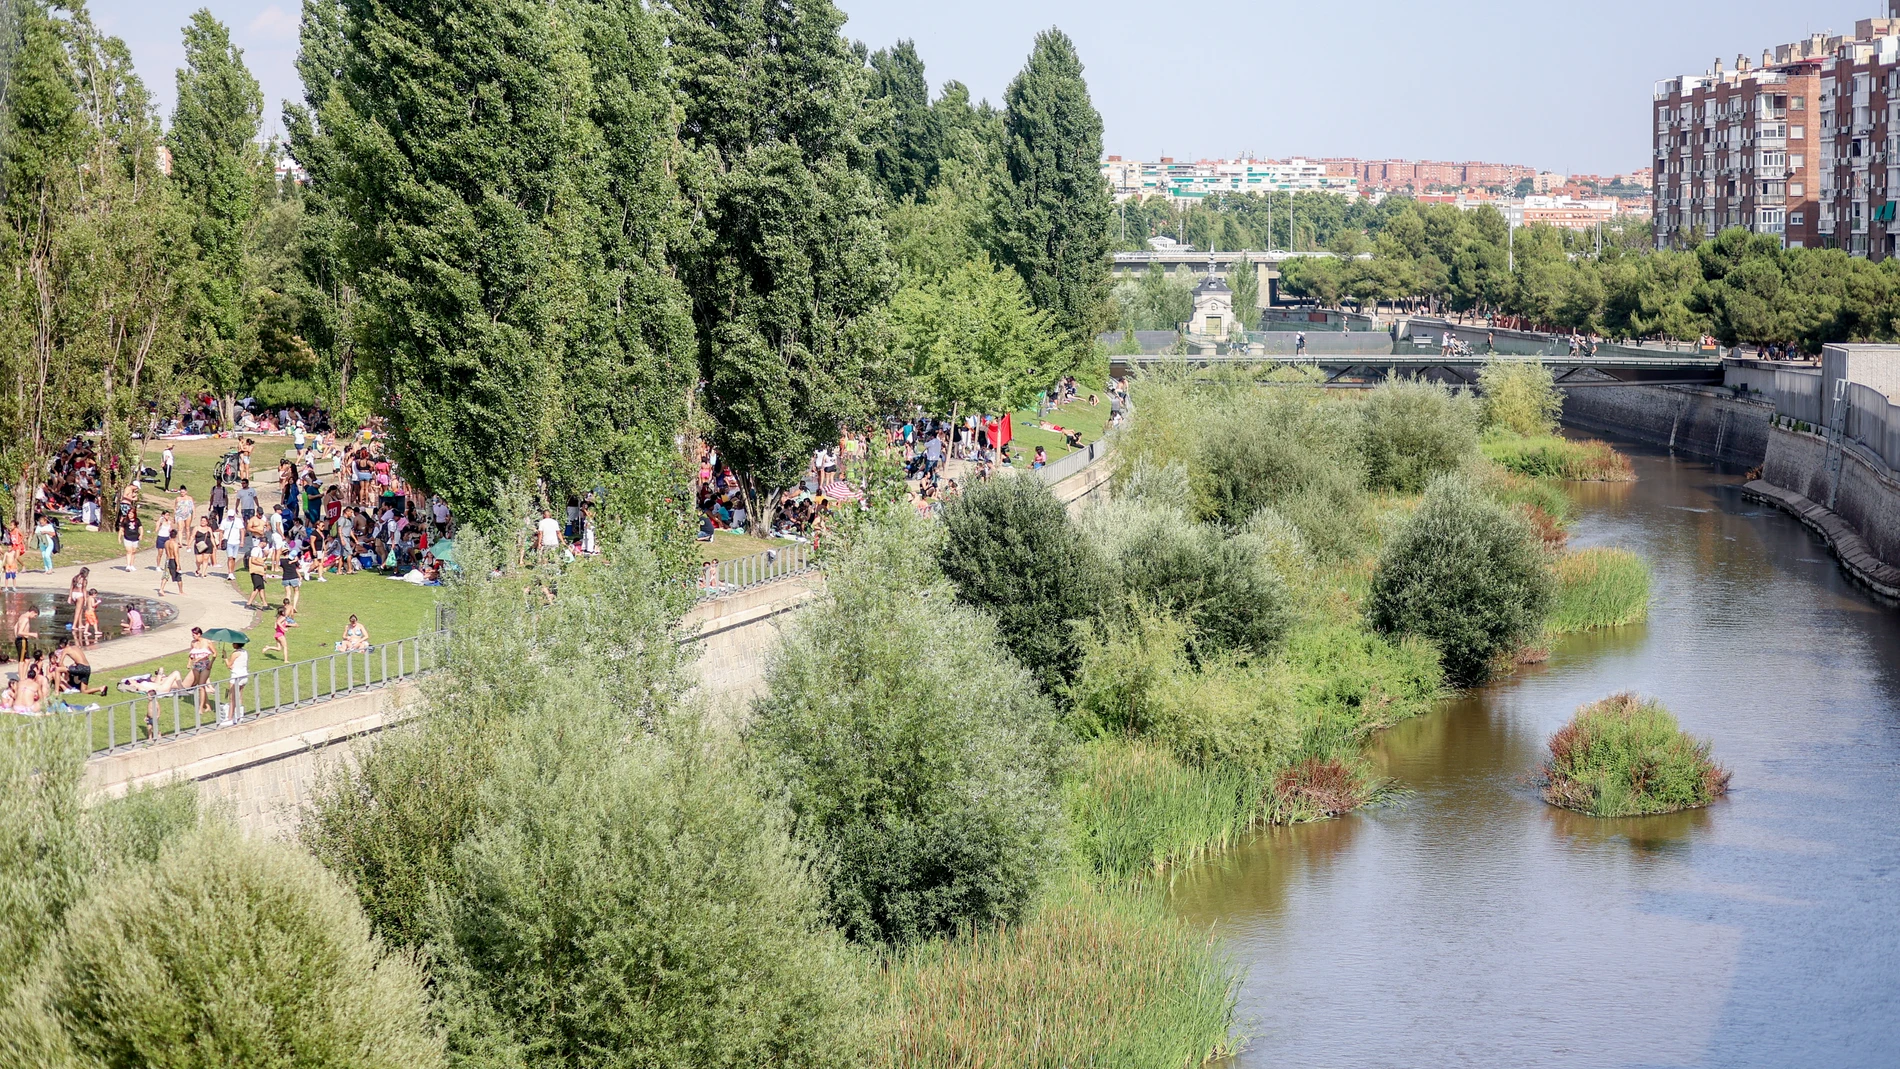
[1699,420]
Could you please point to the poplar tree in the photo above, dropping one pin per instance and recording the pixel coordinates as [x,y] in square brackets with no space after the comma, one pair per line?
[1052,222]
[903,140]
[325,290]
[789,268]
[222,175]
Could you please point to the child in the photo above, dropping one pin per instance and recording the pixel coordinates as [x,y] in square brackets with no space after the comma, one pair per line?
[280,636]
[10,563]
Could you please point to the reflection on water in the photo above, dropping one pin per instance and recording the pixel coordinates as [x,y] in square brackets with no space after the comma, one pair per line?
[1469,924]
[54,624]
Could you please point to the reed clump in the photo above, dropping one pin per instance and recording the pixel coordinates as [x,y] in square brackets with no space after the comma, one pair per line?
[1093,978]
[1547,456]
[1599,587]
[1626,756]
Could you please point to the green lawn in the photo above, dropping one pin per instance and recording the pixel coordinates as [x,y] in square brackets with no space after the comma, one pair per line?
[389,609]
[195,462]
[1091,420]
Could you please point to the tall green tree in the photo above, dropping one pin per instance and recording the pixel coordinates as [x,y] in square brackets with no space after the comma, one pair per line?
[972,341]
[223,176]
[88,269]
[1244,280]
[1052,221]
[790,267]
[903,135]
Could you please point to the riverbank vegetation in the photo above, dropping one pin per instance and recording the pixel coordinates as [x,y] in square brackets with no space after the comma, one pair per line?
[1626,756]
[1599,587]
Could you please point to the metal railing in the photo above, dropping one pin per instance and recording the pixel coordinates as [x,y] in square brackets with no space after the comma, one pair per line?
[725,577]
[194,710]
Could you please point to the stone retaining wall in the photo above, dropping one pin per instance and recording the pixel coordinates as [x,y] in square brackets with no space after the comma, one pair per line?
[1868,500]
[1696,420]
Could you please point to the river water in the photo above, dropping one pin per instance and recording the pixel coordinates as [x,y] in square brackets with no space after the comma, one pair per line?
[1472,925]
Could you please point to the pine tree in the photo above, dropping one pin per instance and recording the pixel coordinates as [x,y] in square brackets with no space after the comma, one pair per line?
[790,266]
[1244,280]
[222,175]
[1052,222]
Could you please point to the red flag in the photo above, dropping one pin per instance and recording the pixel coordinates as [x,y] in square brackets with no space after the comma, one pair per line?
[1006,433]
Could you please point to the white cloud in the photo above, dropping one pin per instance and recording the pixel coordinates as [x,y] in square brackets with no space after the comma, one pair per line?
[272,24]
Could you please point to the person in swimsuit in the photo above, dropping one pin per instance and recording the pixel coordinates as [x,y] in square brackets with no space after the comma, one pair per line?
[89,625]
[80,587]
[79,669]
[168,568]
[199,656]
[280,635]
[10,563]
[355,637]
[23,632]
[28,694]
[204,546]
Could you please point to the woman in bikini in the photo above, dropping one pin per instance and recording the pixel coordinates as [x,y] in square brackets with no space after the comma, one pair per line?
[199,656]
[355,637]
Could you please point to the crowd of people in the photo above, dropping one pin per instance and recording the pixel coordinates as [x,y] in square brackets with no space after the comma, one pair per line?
[932,452]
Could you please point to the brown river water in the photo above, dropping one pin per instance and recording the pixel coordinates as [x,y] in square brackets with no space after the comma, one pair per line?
[1470,924]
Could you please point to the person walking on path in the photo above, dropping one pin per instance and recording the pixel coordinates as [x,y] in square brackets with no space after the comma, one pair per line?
[129,534]
[204,547]
[184,509]
[1299,343]
[233,532]
[219,501]
[166,462]
[48,537]
[168,569]
[258,565]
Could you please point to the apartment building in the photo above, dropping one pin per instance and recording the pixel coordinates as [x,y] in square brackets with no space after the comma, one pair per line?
[1797,146]
[1185,183]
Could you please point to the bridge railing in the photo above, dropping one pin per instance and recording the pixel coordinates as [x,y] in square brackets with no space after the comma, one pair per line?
[212,706]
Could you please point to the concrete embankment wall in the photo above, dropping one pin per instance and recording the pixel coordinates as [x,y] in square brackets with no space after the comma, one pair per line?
[1697,420]
[1868,500]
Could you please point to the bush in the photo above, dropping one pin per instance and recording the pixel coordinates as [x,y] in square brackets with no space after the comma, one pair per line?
[1412,432]
[228,950]
[1624,756]
[648,903]
[919,759]
[1519,396]
[1466,573]
[1599,588]
[1011,551]
[1093,979]
[1551,457]
[587,871]
[1225,586]
[1293,455]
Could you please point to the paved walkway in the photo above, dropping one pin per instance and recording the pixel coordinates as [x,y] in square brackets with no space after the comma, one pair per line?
[209,602]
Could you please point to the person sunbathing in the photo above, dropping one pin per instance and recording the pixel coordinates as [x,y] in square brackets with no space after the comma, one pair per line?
[153,683]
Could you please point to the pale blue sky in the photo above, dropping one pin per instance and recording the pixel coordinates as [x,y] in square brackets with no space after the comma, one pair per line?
[1562,89]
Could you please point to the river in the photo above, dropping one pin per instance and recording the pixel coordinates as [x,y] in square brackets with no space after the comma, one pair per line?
[1470,924]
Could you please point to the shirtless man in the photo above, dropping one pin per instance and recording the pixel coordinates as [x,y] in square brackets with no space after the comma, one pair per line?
[23,631]
[79,669]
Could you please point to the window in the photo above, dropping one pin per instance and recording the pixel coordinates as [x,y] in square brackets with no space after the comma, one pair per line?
[1797,218]
[1796,133]
[1797,162]
[1797,189]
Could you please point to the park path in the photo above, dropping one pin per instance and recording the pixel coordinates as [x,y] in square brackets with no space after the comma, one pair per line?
[209,602]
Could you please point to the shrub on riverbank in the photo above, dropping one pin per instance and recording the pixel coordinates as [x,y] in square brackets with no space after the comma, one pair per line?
[1551,457]
[1624,756]
[1598,587]
[1010,550]
[1224,585]
[1412,432]
[1466,573]
[1092,979]
[1519,396]
[919,760]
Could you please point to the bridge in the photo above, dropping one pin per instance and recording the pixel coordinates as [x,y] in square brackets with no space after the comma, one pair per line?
[1361,370]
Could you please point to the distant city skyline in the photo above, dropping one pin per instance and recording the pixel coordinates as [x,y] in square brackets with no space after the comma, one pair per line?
[1557,90]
